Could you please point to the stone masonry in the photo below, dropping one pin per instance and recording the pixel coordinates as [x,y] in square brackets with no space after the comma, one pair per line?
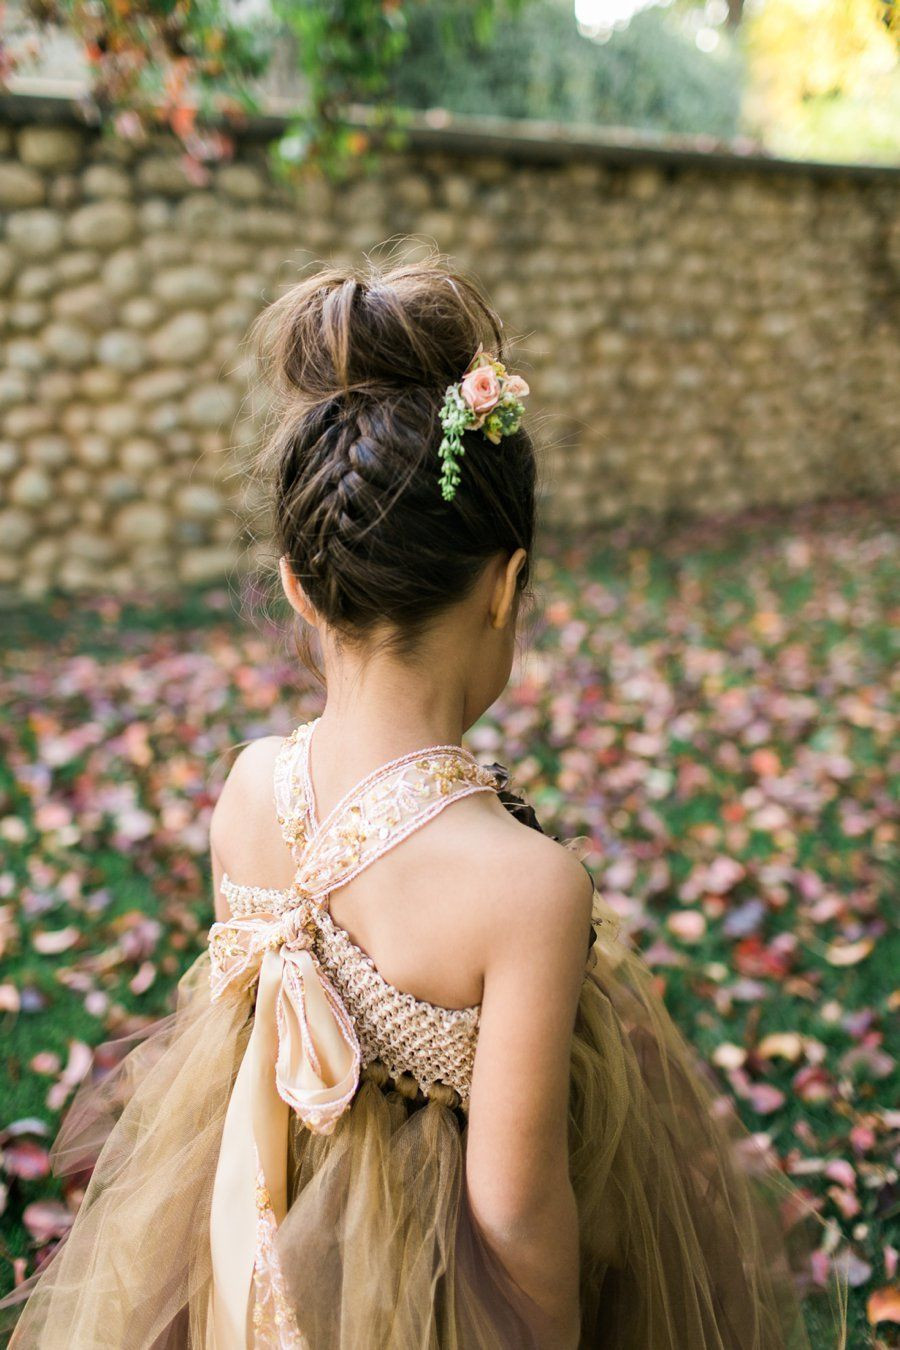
[699,338]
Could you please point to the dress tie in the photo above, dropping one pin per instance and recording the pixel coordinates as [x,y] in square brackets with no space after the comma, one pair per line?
[303,1055]
[316,1049]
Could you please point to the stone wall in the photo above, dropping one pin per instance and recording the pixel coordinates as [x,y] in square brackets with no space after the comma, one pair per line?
[700,336]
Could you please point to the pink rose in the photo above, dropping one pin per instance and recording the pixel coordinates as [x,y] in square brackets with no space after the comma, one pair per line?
[481,390]
[516,386]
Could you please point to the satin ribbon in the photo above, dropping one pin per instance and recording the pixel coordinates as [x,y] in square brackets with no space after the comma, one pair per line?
[303,1055]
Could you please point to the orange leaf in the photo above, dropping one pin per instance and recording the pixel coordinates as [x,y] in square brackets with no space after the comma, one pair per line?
[183,120]
[884,1305]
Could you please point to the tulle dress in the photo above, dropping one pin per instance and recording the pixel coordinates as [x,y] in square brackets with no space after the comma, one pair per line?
[281,1161]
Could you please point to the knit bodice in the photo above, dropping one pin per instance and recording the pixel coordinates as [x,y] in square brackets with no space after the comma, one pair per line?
[409,1037]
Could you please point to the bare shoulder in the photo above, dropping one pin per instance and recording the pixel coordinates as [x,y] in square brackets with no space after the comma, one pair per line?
[527,882]
[544,875]
[243,821]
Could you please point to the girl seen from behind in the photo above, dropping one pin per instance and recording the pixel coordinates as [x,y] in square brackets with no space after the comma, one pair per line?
[417,1091]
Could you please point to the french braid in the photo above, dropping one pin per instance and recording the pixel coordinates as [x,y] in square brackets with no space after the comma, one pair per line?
[360,364]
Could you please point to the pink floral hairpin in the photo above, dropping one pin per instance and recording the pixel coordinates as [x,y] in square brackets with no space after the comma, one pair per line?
[488,399]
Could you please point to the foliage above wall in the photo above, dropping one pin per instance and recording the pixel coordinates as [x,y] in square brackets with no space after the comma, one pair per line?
[817,78]
[831,87]
[649,74]
[192,64]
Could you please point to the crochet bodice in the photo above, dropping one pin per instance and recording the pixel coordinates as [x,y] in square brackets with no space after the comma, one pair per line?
[433,1046]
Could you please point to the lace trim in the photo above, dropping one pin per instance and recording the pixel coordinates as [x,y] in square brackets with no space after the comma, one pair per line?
[246,900]
[361,827]
[274,1321]
[291,791]
[384,812]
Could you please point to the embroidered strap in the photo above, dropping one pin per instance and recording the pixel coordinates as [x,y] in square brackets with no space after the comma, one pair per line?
[373,817]
[292,798]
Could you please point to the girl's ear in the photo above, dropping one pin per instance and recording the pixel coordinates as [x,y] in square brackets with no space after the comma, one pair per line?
[295,594]
[503,599]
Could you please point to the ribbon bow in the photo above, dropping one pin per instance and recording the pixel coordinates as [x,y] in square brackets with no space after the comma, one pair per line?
[303,1054]
[316,1049]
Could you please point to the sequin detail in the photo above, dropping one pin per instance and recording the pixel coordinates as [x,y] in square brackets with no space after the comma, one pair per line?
[274,1322]
[375,816]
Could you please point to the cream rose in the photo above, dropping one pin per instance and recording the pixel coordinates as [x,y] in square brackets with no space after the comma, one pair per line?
[516,386]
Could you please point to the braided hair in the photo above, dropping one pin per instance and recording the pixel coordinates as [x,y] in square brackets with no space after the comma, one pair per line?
[359,362]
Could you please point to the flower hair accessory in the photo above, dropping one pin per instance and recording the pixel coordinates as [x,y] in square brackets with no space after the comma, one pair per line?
[486,399]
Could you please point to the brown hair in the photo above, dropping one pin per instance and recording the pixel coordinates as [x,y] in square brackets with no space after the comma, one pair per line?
[359,362]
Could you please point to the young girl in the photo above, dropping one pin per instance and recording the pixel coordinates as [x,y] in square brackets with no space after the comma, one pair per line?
[417,1092]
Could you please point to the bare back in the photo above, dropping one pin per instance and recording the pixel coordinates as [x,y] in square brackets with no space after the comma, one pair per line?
[426,913]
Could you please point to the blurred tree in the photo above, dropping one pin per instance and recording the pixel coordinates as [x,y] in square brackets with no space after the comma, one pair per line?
[190,63]
[825,76]
[537,64]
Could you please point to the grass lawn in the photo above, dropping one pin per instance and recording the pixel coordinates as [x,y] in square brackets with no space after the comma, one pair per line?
[711,708]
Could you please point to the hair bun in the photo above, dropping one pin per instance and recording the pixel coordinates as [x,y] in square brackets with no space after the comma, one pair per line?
[374,332]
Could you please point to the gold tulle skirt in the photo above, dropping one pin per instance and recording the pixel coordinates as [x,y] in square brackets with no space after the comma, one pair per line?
[681,1237]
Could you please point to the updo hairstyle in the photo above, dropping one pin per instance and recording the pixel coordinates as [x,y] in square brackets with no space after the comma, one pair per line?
[359,363]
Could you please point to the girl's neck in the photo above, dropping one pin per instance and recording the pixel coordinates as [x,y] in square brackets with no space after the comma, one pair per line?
[379,707]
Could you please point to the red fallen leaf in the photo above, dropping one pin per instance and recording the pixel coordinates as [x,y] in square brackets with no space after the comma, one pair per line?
[753,957]
[183,120]
[765,762]
[813,1084]
[883,1305]
[27,1160]
[47,1219]
[862,1138]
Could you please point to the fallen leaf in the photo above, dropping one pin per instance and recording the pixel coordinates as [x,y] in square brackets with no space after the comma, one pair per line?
[848,953]
[47,1219]
[883,1305]
[765,1098]
[27,1160]
[687,924]
[52,942]
[781,1045]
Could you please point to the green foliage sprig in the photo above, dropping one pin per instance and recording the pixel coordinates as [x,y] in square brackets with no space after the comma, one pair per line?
[487,398]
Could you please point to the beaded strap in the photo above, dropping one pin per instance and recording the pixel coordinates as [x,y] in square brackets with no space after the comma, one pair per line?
[292,799]
[375,815]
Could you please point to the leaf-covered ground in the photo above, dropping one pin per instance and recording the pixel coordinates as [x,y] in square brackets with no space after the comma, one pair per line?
[713,709]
